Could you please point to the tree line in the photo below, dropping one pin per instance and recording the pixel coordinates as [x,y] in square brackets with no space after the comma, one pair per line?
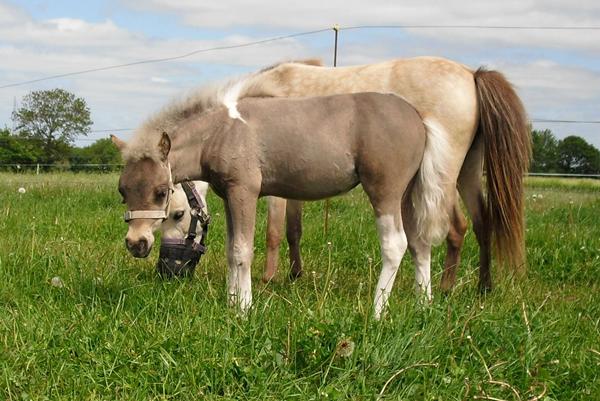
[570,155]
[48,122]
[46,126]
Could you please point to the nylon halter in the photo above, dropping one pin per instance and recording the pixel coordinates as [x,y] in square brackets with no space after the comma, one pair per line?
[153,214]
[179,257]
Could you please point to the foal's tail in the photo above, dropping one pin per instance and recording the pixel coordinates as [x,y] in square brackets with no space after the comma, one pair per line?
[507,149]
[429,196]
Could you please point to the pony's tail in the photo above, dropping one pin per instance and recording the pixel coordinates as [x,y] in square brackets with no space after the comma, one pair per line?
[429,196]
[507,150]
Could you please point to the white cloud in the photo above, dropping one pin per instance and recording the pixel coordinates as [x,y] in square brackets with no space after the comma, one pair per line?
[159,80]
[314,14]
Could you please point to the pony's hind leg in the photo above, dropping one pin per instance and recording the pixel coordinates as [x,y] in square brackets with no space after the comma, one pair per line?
[419,249]
[454,241]
[275,220]
[470,188]
[294,233]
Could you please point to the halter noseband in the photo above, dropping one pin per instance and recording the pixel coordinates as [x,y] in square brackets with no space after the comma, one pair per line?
[180,256]
[152,214]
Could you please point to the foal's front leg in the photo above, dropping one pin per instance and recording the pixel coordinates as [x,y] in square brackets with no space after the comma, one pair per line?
[240,208]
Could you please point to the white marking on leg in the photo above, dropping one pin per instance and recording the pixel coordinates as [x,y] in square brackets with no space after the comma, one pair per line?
[242,260]
[393,246]
[422,257]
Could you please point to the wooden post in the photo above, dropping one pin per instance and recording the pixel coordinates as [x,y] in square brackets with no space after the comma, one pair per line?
[336,29]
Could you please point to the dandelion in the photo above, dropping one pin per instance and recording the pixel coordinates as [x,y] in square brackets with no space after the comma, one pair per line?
[345,348]
[56,282]
[21,190]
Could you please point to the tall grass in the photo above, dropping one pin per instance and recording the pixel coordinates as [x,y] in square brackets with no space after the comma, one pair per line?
[114,330]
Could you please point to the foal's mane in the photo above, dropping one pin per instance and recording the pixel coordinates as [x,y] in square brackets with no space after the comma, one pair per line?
[194,102]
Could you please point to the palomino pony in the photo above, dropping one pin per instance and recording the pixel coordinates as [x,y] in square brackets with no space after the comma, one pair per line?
[184,230]
[308,149]
[477,113]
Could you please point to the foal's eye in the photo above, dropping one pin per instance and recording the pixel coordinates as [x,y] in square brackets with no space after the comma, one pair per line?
[178,215]
[161,194]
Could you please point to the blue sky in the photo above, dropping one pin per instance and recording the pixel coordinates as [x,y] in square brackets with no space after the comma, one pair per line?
[557,73]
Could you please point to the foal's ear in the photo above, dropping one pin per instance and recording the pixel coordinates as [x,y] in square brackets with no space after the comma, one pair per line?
[164,146]
[118,142]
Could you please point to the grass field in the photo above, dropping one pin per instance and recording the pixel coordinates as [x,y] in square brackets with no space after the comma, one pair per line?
[114,330]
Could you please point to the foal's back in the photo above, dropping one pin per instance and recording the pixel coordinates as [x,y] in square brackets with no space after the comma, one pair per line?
[313,148]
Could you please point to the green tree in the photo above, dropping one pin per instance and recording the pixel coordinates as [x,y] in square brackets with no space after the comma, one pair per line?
[576,156]
[103,151]
[53,117]
[545,151]
[16,150]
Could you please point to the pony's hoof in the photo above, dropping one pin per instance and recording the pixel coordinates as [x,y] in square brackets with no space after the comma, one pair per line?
[485,289]
[295,275]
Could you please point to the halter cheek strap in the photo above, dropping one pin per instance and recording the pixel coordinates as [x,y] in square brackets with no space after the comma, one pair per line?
[152,214]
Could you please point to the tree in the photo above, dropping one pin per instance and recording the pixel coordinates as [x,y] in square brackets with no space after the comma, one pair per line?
[54,117]
[576,156]
[545,151]
[103,151]
[15,150]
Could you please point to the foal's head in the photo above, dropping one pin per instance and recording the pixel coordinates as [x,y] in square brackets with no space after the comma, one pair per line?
[146,186]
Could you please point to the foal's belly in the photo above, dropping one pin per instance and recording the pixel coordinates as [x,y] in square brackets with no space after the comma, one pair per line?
[309,181]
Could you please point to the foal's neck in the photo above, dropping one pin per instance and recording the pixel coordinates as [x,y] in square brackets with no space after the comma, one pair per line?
[190,146]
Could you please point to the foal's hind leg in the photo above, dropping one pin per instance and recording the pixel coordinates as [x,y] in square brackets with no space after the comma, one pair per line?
[294,233]
[392,239]
[470,187]
[275,218]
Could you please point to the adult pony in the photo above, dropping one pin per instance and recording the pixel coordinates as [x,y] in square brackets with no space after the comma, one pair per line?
[308,149]
[183,232]
[478,114]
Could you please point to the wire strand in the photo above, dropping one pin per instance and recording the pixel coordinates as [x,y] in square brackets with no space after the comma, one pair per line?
[160,60]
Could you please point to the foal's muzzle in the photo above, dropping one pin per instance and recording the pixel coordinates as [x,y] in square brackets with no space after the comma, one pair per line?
[139,249]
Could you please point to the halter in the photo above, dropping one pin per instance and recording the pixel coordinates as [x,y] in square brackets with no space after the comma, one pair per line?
[180,256]
[153,214]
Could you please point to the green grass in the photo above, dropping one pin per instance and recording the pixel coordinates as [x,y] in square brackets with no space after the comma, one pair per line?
[116,331]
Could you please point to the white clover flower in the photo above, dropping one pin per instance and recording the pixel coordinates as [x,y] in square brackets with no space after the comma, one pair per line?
[21,190]
[56,282]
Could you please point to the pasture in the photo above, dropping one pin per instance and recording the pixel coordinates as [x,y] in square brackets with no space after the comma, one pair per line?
[111,329]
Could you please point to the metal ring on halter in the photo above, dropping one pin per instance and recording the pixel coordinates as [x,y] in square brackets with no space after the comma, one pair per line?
[153,214]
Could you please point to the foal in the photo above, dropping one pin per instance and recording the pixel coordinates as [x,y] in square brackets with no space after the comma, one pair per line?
[306,149]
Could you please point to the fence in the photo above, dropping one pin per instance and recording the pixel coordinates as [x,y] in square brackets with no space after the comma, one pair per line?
[40,168]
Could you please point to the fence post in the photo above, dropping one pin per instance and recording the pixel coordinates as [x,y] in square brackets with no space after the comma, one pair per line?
[37,169]
[336,29]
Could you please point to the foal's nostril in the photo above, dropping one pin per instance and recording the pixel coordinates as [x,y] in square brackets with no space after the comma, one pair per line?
[139,248]
[143,245]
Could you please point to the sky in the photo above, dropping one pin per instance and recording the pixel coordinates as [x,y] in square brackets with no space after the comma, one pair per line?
[555,71]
